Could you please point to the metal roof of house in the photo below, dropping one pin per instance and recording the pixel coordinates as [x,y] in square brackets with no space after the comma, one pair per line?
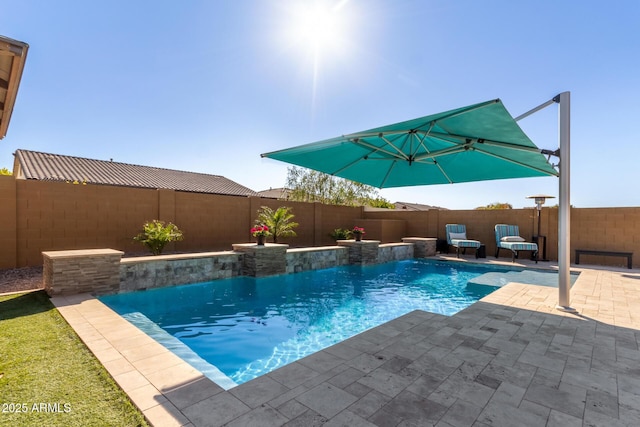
[416,206]
[275,193]
[13,54]
[56,167]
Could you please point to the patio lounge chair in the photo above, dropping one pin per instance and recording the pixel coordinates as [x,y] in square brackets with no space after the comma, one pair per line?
[457,237]
[508,237]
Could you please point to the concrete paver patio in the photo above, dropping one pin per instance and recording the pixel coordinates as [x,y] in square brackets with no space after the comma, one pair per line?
[509,359]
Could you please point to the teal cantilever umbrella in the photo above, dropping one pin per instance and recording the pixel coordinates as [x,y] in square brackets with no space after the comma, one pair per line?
[475,143]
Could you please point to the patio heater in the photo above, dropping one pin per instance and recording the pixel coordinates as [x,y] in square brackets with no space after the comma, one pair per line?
[540,199]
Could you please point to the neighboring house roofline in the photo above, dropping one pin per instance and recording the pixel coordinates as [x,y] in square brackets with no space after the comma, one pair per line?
[416,206]
[57,167]
[280,193]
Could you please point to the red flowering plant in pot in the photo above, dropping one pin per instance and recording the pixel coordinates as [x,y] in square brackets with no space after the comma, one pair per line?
[260,232]
[357,233]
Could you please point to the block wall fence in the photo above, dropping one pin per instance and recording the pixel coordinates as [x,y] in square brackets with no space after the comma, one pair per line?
[38,216]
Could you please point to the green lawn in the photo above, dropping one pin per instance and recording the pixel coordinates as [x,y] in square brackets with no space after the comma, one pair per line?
[47,375]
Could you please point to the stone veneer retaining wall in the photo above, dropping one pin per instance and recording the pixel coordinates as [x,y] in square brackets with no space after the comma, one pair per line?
[95,271]
[395,252]
[362,252]
[303,259]
[262,260]
[423,246]
[167,270]
[102,271]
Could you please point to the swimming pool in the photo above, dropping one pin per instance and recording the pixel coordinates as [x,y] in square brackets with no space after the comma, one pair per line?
[234,330]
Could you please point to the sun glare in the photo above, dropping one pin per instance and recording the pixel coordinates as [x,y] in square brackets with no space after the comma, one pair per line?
[317,32]
[318,27]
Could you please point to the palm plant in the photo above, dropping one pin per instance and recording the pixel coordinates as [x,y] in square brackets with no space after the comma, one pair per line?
[279,221]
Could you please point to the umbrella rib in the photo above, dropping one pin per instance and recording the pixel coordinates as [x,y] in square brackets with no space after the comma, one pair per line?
[400,152]
[421,140]
[443,172]
[458,149]
[429,154]
[509,145]
[506,159]
[386,176]
[444,152]
[491,142]
[433,161]
[375,149]
[345,167]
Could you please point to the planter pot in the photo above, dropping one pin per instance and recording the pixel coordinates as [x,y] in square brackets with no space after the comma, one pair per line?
[358,237]
[261,240]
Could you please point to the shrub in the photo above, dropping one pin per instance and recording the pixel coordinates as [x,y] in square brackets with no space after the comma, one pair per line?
[155,235]
[340,234]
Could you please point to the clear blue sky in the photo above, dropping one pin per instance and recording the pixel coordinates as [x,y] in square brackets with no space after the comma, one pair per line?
[207,86]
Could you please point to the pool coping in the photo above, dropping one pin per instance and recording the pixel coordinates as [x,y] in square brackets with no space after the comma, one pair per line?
[169,392]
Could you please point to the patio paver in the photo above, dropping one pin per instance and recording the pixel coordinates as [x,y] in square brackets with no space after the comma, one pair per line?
[510,359]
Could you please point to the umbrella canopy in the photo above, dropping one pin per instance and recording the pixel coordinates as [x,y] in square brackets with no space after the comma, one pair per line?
[475,143]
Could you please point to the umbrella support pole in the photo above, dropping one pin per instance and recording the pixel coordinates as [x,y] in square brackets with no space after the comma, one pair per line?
[564,203]
[564,210]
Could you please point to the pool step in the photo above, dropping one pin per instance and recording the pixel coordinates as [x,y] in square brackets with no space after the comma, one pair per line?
[527,276]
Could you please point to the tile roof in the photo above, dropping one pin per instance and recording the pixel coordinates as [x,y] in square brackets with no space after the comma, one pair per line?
[56,167]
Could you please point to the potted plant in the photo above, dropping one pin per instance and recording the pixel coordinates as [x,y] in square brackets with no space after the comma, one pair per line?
[279,221]
[260,232]
[357,233]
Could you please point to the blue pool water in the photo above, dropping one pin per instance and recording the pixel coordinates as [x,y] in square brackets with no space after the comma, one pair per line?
[245,327]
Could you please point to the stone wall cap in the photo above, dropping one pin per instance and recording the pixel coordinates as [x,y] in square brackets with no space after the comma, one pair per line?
[258,247]
[81,253]
[428,239]
[174,257]
[316,249]
[386,245]
[363,220]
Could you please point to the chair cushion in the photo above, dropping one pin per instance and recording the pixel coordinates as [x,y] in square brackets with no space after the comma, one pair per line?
[518,246]
[465,243]
[512,239]
[458,236]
